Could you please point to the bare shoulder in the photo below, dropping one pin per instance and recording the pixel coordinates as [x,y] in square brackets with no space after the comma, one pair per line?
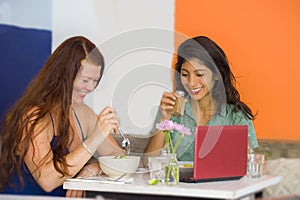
[86,115]
[42,129]
[32,115]
[84,109]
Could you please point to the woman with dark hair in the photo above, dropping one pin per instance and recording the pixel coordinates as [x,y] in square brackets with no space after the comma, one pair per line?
[49,135]
[203,74]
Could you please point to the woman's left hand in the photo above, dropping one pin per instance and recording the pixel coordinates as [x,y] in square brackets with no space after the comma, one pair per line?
[89,170]
[75,193]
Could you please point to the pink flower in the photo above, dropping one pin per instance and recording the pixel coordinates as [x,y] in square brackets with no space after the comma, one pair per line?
[167,126]
[182,129]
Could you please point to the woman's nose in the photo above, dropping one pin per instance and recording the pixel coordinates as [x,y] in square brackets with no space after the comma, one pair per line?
[91,86]
[192,80]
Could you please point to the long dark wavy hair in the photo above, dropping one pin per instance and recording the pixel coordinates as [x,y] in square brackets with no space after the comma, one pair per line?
[50,90]
[212,56]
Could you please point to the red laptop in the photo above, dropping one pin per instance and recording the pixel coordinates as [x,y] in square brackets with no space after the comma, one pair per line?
[220,154]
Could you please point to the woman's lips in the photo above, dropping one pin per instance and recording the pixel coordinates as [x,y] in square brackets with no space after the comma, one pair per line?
[82,94]
[195,91]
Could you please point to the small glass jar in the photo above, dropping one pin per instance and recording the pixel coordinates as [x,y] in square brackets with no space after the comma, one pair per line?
[255,165]
[172,170]
[178,109]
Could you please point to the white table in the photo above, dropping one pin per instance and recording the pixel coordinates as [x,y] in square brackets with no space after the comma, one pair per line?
[30,197]
[236,189]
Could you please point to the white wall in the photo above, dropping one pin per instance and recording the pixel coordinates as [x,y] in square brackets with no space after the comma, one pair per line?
[136,38]
[26,14]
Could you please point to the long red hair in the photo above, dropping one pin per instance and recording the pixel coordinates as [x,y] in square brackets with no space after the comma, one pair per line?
[50,90]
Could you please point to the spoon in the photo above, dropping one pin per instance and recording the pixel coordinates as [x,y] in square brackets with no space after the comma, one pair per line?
[125,143]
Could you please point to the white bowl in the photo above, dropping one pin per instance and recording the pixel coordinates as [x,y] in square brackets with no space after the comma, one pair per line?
[114,166]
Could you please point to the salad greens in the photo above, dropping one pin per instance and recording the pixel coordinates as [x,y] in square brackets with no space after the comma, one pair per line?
[119,157]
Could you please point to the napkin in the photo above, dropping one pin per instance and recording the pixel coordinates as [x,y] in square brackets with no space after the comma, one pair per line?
[102,179]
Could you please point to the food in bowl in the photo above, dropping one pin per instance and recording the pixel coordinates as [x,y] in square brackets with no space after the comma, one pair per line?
[115,166]
[186,169]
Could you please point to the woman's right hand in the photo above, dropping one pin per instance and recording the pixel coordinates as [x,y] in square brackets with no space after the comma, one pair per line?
[157,140]
[108,120]
[167,104]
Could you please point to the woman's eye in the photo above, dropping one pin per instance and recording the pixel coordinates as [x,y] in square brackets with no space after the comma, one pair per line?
[200,75]
[84,80]
[184,74]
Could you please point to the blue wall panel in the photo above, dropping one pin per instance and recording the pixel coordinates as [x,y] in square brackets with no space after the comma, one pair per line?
[23,52]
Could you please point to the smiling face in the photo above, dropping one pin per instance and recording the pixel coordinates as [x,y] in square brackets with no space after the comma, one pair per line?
[197,79]
[86,81]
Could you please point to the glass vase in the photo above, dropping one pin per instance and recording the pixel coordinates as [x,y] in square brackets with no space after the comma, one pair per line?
[171,170]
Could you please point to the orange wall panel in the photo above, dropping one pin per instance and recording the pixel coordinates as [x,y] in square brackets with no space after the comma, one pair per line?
[262,41]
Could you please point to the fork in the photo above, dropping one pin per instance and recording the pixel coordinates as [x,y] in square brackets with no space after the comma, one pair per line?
[117,179]
[125,143]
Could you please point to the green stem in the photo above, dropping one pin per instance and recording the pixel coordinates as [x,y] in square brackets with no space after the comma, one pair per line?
[177,143]
[176,174]
[168,174]
[171,143]
[167,139]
